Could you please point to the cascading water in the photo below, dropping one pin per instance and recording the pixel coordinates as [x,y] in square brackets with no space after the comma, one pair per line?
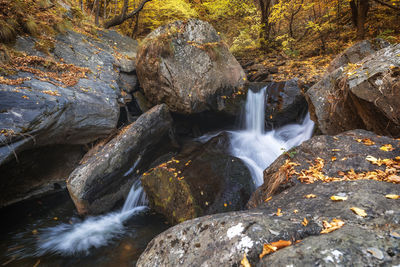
[67,239]
[257,148]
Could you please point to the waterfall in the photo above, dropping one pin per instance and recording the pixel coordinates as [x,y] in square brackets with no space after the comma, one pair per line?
[257,148]
[67,239]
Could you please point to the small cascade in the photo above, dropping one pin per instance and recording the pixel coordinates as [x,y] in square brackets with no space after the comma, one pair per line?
[257,148]
[94,232]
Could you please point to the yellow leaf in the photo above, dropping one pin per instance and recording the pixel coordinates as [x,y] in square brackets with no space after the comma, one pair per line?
[359,211]
[304,222]
[35,232]
[338,198]
[392,196]
[366,141]
[387,147]
[335,150]
[245,262]
[332,226]
[267,199]
[225,205]
[310,196]
[296,211]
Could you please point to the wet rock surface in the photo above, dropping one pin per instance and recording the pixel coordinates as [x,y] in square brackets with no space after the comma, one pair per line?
[222,239]
[363,95]
[203,179]
[106,175]
[285,103]
[43,111]
[187,66]
[344,153]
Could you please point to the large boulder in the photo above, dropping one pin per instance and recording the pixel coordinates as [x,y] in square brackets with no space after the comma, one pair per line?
[106,175]
[223,239]
[186,65]
[201,180]
[363,95]
[348,156]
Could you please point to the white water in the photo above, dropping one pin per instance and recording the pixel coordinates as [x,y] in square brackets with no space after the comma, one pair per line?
[257,148]
[94,232]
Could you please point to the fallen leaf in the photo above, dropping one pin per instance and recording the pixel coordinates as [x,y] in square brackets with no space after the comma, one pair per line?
[366,141]
[304,222]
[338,198]
[387,147]
[279,212]
[392,196]
[393,178]
[296,211]
[245,262]
[274,246]
[332,226]
[310,196]
[333,158]
[225,205]
[359,211]
[267,199]
[35,232]
[335,150]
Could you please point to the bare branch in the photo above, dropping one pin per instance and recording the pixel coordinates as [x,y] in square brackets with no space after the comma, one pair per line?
[117,20]
[387,4]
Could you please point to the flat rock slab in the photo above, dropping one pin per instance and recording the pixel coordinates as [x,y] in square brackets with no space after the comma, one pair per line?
[223,239]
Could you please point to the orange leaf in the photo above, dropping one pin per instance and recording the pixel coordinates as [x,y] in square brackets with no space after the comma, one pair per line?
[304,222]
[279,212]
[392,196]
[274,246]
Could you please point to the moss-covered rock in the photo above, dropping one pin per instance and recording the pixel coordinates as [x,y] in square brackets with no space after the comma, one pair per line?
[201,180]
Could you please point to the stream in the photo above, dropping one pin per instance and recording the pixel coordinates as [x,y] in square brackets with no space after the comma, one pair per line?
[48,231]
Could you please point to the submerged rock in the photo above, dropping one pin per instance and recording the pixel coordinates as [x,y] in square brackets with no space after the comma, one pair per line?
[363,95]
[187,66]
[201,180]
[106,175]
[346,156]
[223,239]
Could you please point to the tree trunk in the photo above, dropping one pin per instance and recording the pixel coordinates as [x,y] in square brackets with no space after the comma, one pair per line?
[359,12]
[363,7]
[96,10]
[105,10]
[81,4]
